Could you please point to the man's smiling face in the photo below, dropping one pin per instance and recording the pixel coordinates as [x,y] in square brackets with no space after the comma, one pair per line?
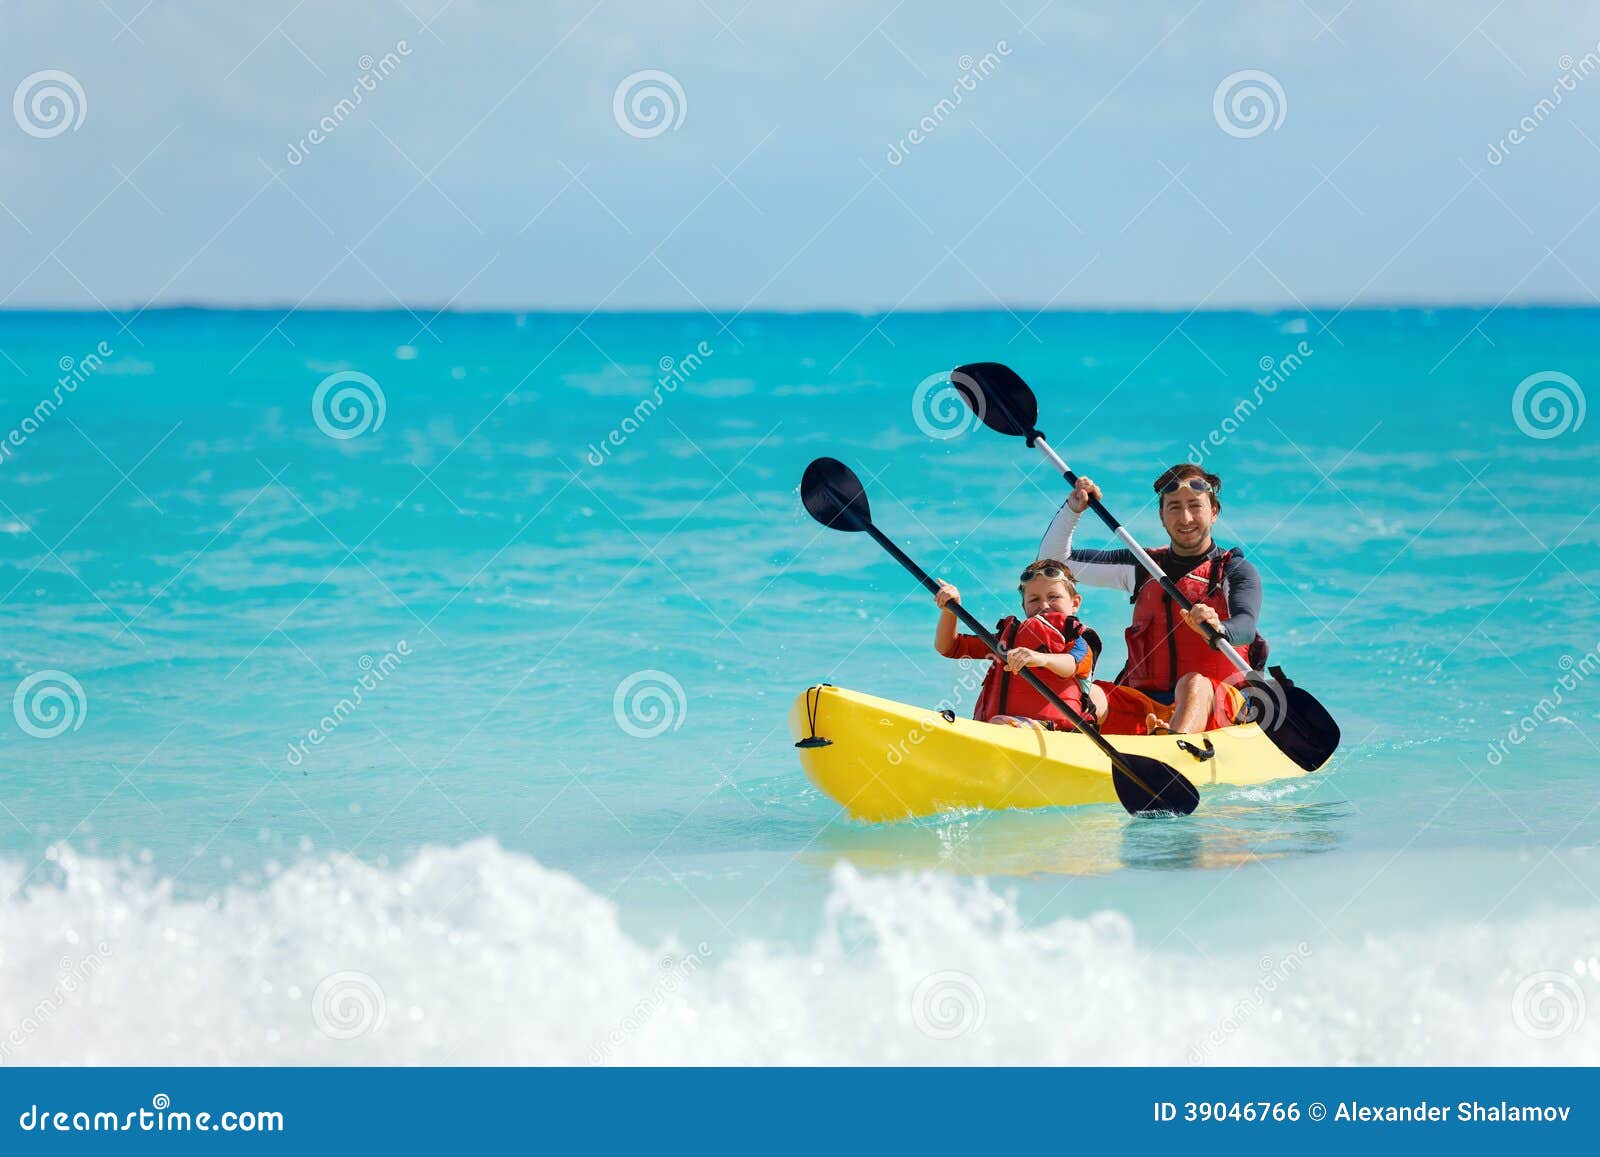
[1188,517]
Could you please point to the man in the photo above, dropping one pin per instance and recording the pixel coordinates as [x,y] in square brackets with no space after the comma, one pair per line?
[1174,681]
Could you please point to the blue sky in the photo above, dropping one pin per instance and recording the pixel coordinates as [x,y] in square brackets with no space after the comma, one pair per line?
[1086,168]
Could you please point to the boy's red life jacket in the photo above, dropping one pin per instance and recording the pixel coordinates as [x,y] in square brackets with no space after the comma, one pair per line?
[1162,647]
[1004,693]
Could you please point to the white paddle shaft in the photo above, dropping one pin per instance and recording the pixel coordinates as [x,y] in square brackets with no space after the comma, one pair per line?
[1152,568]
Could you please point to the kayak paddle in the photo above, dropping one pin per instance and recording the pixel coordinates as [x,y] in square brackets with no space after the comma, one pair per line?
[833,495]
[1295,721]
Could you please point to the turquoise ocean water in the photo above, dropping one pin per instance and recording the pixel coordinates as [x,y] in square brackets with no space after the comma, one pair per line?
[565,822]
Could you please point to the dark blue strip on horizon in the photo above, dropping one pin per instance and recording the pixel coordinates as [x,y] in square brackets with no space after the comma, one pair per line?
[712,1111]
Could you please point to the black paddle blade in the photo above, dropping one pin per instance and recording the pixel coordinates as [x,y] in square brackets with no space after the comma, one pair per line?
[832,495]
[1145,784]
[1293,719]
[1000,398]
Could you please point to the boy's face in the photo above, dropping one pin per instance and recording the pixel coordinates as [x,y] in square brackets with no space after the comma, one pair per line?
[1046,595]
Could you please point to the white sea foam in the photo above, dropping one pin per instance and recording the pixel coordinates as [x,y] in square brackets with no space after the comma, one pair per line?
[475,954]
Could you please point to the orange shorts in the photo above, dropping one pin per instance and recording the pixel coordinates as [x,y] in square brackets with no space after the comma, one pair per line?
[1127,708]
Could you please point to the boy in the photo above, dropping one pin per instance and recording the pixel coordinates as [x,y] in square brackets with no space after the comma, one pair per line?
[1049,639]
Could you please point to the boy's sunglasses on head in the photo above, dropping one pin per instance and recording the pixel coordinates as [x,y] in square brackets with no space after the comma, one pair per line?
[1199,484]
[1049,572]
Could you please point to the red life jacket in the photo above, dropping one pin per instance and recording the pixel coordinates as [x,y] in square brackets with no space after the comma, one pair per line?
[1162,647]
[1004,693]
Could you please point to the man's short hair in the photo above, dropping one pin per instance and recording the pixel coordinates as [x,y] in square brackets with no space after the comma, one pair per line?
[1182,472]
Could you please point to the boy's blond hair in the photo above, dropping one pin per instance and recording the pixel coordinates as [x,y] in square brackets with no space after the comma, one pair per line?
[1044,567]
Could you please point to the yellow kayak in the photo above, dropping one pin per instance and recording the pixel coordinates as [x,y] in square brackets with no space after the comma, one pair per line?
[890,761]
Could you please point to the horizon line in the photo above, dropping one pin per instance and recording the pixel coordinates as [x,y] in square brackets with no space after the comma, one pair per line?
[1417,305]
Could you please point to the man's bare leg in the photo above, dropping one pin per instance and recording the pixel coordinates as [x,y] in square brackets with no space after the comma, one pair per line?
[1191,707]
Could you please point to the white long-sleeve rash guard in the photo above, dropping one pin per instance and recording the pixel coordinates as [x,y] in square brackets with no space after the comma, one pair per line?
[1119,569]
